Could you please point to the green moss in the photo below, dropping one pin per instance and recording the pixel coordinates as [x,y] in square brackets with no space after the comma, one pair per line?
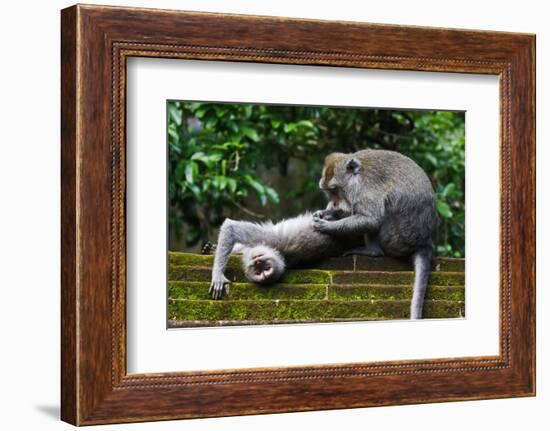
[204,260]
[317,310]
[395,278]
[365,291]
[448,264]
[336,263]
[341,263]
[199,290]
[447,278]
[196,310]
[330,292]
[300,276]
[364,263]
[200,273]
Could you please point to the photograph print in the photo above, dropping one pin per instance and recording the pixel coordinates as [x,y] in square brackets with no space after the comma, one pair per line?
[285,214]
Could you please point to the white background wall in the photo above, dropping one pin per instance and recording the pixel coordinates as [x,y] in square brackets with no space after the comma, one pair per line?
[29,215]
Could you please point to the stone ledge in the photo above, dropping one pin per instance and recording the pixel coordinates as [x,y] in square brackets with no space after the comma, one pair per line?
[199,290]
[272,310]
[349,263]
[202,273]
[345,289]
[214,323]
[316,276]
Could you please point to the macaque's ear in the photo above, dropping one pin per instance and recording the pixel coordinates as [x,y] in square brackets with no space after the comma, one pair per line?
[352,166]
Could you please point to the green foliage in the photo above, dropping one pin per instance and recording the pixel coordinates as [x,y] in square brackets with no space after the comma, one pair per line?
[219,155]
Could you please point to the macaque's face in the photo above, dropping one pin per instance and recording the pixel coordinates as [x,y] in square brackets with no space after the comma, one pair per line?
[329,180]
[339,175]
[263,265]
[334,181]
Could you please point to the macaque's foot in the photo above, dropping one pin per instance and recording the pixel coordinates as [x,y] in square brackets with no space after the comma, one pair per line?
[416,314]
[371,250]
[208,248]
[218,286]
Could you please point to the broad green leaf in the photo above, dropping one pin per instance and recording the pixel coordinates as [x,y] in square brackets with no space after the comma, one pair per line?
[251,134]
[196,191]
[173,135]
[255,185]
[432,159]
[191,171]
[444,209]
[305,123]
[222,182]
[448,190]
[179,172]
[174,114]
[272,195]
[231,185]
[214,158]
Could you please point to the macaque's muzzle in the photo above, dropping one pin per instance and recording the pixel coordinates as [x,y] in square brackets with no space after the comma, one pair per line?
[262,268]
[261,265]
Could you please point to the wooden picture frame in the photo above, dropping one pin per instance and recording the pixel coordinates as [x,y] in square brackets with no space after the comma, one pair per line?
[95,43]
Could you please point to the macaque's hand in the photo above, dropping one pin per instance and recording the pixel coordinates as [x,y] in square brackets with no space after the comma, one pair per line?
[321,225]
[329,214]
[319,214]
[218,286]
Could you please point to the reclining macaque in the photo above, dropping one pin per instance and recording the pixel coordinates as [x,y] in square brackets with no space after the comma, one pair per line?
[268,249]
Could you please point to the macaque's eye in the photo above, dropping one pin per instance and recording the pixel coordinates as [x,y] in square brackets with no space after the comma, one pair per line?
[352,166]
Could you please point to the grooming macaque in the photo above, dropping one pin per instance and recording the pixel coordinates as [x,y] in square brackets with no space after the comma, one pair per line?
[268,249]
[389,199]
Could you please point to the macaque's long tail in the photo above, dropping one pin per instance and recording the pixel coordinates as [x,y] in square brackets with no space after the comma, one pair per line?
[422,261]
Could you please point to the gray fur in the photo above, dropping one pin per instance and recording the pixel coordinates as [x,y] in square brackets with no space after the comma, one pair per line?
[286,244]
[390,200]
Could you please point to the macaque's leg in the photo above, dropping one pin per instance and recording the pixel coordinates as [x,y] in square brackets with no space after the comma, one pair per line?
[353,225]
[231,233]
[422,261]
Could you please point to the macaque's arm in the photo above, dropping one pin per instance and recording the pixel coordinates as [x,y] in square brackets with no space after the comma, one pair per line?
[231,233]
[353,225]
[226,242]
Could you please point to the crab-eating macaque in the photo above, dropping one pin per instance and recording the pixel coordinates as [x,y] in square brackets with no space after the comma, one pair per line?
[388,198]
[268,249]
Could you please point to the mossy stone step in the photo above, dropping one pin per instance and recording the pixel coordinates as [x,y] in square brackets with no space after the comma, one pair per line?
[292,276]
[316,276]
[343,263]
[395,277]
[300,310]
[199,290]
[203,260]
[213,323]
[335,290]
[380,291]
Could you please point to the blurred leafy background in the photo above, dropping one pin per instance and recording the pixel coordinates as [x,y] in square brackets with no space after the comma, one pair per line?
[261,162]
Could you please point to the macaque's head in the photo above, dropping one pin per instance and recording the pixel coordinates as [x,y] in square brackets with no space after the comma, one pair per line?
[263,264]
[339,179]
